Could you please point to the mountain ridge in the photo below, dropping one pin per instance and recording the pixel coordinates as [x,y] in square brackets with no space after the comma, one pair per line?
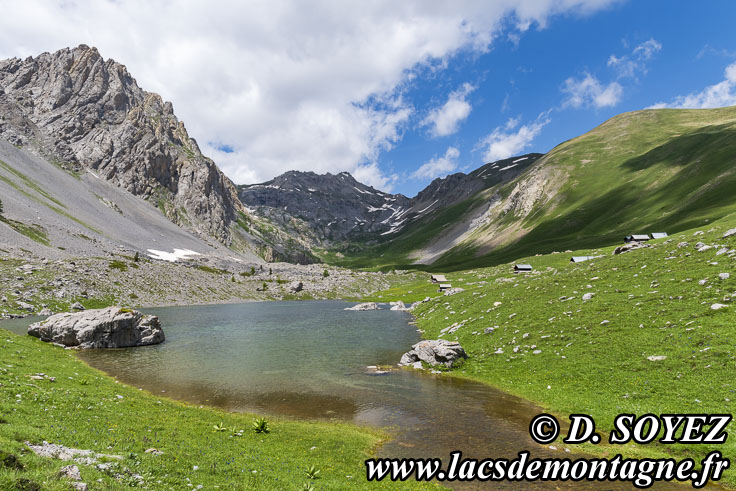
[653,168]
[84,112]
[337,209]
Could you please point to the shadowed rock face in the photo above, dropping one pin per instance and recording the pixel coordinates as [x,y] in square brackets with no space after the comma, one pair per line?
[332,207]
[112,327]
[82,111]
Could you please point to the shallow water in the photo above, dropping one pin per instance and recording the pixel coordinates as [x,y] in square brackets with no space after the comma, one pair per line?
[308,360]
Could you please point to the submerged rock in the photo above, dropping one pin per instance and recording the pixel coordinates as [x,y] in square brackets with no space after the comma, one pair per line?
[434,352]
[364,306]
[375,370]
[112,327]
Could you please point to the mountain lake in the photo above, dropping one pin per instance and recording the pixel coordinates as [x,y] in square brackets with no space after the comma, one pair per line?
[308,360]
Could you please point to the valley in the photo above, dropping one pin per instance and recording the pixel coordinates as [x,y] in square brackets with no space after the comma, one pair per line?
[106,200]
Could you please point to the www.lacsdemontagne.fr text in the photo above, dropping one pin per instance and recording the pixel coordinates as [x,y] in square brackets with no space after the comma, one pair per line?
[642,473]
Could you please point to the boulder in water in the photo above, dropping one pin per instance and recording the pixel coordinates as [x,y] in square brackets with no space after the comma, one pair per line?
[113,327]
[399,305]
[434,352]
[364,306]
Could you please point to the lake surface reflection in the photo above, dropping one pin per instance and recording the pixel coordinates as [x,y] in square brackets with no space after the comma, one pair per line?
[308,360]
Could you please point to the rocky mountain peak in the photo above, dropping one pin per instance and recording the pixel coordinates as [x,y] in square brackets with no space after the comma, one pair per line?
[327,208]
[87,113]
[336,209]
[456,187]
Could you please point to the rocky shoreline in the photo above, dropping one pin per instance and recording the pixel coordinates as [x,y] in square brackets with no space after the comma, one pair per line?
[32,285]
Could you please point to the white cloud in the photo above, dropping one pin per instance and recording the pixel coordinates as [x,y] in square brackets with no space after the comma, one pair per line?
[445,120]
[647,49]
[628,66]
[372,175]
[438,166]
[709,50]
[589,91]
[721,94]
[286,84]
[503,142]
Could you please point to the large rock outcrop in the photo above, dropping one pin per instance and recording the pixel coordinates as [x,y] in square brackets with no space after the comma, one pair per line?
[113,327]
[434,352]
[81,111]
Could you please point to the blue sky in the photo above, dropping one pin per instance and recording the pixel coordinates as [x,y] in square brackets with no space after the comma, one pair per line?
[518,79]
[396,93]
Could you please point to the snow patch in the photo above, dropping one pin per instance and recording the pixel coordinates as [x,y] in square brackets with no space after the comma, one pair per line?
[395,227]
[430,206]
[171,256]
[385,206]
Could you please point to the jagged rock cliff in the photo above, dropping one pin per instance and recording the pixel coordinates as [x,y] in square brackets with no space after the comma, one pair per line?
[83,112]
[325,208]
[87,114]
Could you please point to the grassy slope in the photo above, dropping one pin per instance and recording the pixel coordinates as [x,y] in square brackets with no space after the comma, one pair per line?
[81,410]
[653,170]
[395,254]
[655,306]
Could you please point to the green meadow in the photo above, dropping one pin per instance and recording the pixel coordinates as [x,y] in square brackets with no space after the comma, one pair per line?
[648,341]
[639,172]
[85,409]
